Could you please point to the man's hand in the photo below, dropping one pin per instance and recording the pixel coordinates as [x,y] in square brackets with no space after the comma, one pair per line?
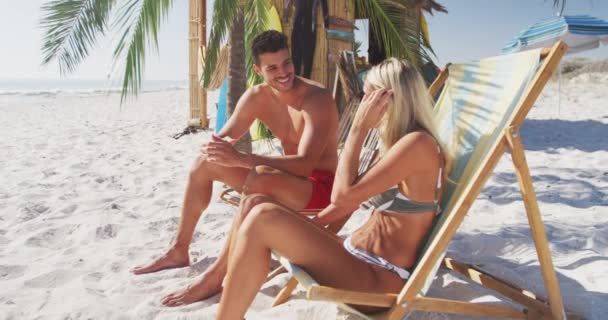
[223,153]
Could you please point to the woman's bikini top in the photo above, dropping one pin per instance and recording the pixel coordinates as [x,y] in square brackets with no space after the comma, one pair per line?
[392,200]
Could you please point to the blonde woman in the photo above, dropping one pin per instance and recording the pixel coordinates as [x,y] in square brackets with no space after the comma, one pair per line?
[403,187]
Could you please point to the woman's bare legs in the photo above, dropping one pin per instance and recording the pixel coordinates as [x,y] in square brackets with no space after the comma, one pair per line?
[280,186]
[210,282]
[273,227]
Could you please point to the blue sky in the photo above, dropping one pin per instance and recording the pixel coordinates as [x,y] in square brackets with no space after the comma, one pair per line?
[472,29]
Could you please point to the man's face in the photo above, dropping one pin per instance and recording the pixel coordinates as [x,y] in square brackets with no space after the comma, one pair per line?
[276,69]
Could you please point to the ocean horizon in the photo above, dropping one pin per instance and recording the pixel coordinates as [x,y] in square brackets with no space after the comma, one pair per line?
[34,86]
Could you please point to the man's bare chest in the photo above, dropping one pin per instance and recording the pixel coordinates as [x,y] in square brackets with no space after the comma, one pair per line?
[285,122]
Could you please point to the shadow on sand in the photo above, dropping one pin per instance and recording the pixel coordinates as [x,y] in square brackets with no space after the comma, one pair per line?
[485,250]
[550,188]
[550,134]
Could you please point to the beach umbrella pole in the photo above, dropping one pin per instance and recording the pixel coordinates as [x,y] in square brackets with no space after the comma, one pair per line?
[559,90]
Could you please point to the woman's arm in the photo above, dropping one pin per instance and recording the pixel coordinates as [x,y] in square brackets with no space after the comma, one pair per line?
[368,116]
[331,214]
[414,153]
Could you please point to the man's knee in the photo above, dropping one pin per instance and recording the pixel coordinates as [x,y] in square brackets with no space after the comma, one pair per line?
[203,169]
[200,167]
[259,180]
[250,201]
[258,218]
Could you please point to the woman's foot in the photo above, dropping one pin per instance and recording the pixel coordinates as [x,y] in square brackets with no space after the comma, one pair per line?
[174,258]
[207,286]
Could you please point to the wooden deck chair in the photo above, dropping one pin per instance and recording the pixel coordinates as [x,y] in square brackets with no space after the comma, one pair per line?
[479,112]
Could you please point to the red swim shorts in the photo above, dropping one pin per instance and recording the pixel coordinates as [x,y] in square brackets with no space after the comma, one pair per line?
[322,183]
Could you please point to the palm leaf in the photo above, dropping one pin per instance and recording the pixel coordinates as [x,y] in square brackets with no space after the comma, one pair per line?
[224,13]
[256,17]
[72,28]
[559,4]
[140,21]
[427,5]
[397,32]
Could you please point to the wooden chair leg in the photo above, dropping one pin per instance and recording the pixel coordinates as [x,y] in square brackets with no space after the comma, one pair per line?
[536,224]
[285,293]
[279,270]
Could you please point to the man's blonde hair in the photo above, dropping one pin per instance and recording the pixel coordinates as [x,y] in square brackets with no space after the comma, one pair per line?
[410,108]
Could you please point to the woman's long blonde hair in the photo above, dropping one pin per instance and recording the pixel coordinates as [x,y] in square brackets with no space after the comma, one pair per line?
[411,107]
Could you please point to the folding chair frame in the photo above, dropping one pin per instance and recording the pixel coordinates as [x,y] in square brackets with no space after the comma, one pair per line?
[533,306]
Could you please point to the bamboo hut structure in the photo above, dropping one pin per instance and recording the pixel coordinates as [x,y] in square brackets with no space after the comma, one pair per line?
[325,57]
[326,53]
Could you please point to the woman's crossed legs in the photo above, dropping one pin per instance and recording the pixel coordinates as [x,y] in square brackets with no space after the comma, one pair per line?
[272,227]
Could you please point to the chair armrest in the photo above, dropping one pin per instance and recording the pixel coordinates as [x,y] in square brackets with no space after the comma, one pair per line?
[317,292]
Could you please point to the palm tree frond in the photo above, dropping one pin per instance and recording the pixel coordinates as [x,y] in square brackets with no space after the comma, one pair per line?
[432,5]
[224,13]
[256,17]
[139,21]
[559,4]
[72,28]
[398,31]
[427,5]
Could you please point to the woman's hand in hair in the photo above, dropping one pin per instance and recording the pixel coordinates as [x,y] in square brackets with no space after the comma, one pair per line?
[372,108]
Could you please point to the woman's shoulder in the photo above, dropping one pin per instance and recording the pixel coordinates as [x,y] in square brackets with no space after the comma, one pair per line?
[420,141]
[419,149]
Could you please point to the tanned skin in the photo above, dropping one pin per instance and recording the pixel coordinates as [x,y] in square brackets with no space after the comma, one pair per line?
[303,116]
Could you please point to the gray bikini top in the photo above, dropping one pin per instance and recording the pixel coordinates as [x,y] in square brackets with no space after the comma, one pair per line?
[392,200]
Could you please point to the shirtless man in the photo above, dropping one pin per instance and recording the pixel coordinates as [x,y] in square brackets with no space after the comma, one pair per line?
[302,115]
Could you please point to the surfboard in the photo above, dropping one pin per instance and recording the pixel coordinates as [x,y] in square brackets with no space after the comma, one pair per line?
[274,21]
[222,106]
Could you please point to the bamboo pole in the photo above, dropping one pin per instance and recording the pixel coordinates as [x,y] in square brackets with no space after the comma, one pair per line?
[329,50]
[193,47]
[202,31]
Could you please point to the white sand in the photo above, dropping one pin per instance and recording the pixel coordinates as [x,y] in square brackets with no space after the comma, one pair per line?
[90,189]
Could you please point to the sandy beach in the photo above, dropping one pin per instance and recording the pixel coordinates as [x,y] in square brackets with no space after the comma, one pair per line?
[90,189]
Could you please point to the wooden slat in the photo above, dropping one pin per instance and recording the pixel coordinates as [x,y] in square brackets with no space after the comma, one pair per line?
[228,197]
[551,62]
[285,293]
[277,271]
[463,204]
[523,297]
[439,81]
[465,308]
[536,224]
[351,297]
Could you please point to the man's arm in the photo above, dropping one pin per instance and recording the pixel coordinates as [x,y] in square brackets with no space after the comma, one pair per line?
[242,118]
[319,113]
[320,116]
